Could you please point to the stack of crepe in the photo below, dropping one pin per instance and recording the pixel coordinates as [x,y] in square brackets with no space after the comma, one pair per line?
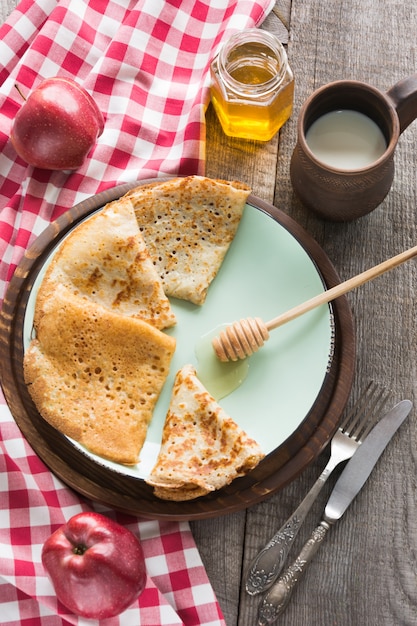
[188,225]
[202,448]
[100,357]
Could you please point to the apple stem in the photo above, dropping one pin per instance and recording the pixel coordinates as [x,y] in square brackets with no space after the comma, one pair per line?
[20,92]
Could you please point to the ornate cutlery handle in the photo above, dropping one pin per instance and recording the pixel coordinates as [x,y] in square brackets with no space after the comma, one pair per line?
[279,595]
[267,566]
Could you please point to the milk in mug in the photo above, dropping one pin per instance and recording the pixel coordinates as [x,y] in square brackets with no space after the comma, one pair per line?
[346,139]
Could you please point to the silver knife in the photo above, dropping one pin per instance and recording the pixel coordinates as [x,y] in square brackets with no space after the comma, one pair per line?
[345,490]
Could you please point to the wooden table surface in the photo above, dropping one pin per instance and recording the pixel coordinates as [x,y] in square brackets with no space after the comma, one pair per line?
[366,572]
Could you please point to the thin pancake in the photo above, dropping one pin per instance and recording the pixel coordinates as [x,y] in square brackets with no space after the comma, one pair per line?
[202,448]
[188,225]
[105,260]
[96,375]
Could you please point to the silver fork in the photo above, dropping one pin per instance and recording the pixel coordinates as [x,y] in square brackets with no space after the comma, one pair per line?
[268,564]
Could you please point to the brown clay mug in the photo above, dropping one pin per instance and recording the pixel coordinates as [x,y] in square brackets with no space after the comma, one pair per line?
[340,194]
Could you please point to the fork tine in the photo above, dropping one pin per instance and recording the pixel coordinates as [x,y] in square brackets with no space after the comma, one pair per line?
[367,407]
[366,424]
[360,404]
[365,412]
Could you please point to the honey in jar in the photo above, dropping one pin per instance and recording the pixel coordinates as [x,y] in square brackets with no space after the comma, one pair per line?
[252,85]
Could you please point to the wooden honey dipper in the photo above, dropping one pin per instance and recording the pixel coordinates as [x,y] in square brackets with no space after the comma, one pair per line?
[243,338]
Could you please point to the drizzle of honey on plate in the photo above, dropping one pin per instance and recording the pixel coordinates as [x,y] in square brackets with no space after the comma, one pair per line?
[220,379]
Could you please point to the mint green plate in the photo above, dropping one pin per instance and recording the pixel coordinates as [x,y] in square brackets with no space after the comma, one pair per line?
[266,272]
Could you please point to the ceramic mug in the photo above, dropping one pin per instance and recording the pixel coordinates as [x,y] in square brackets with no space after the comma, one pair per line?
[342,194]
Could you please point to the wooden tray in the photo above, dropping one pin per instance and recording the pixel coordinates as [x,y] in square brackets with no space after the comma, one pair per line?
[133,495]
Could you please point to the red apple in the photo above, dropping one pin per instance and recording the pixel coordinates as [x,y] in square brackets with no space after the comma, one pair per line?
[96,566]
[57,125]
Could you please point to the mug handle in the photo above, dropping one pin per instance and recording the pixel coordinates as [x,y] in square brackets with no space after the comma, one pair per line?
[404,98]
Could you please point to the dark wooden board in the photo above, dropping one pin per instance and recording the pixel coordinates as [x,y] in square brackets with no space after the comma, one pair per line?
[133,495]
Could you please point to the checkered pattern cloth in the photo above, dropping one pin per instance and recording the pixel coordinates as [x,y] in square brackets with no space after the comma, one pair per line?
[146,64]
[34,503]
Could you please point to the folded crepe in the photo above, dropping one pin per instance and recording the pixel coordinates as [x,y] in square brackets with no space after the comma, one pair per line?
[202,448]
[105,260]
[96,375]
[188,225]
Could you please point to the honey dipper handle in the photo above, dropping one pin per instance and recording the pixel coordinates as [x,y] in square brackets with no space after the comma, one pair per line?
[342,288]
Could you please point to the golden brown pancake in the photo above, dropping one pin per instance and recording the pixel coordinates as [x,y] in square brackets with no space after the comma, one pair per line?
[105,260]
[96,375]
[188,225]
[202,449]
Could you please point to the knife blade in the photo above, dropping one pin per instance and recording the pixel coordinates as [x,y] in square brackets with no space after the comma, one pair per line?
[349,484]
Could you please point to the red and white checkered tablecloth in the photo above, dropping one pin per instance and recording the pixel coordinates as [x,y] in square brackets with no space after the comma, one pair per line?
[146,64]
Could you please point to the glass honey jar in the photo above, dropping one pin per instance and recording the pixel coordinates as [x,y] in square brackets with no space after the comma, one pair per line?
[252,85]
